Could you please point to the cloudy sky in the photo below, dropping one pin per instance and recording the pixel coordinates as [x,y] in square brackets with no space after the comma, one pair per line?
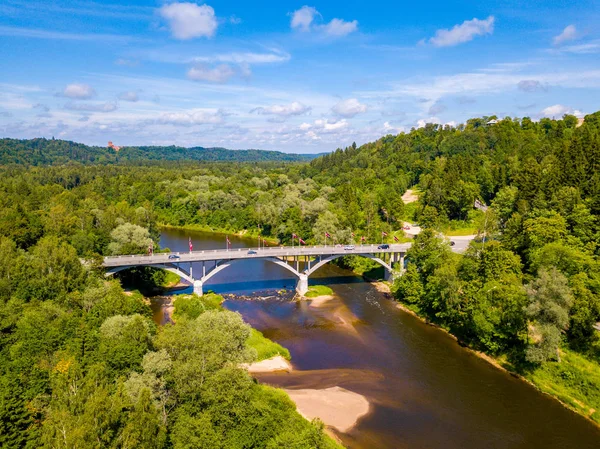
[284,75]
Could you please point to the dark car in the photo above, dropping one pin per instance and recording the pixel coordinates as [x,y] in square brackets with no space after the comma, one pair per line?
[173,256]
[452,243]
[251,252]
[384,246]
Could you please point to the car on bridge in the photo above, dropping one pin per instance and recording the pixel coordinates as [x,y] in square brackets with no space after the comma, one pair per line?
[174,256]
[349,247]
[252,252]
[383,246]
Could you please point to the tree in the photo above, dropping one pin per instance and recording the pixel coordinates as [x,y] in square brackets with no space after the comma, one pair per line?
[129,239]
[549,301]
[200,347]
[408,287]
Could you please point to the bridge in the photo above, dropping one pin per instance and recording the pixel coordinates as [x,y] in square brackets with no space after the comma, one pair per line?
[301,261]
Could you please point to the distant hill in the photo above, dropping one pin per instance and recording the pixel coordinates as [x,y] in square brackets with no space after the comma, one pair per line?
[59,152]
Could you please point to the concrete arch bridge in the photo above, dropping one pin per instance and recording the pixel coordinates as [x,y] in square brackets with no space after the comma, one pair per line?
[300,261]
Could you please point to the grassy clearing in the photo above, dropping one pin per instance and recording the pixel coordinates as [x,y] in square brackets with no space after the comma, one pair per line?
[266,348]
[318,290]
[460,232]
[575,381]
[171,280]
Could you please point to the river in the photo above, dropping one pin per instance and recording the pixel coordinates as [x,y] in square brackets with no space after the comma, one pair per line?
[425,390]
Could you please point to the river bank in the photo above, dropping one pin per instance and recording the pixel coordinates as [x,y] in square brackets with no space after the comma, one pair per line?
[552,388]
[338,408]
[245,233]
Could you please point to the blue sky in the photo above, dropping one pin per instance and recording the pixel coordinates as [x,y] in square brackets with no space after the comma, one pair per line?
[284,75]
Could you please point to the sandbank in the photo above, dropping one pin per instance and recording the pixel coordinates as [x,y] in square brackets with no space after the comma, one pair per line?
[277,363]
[336,407]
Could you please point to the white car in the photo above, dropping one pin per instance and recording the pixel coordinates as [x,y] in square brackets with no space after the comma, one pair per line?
[349,247]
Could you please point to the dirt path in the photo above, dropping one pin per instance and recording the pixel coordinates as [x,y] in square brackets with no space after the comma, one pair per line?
[409,196]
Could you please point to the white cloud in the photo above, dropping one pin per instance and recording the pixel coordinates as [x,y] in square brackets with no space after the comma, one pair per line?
[422,122]
[283,110]
[463,32]
[339,27]
[189,20]
[530,85]
[197,117]
[305,126]
[388,128]
[218,74]
[473,83]
[558,110]
[244,58]
[579,49]
[568,34]
[330,125]
[303,18]
[92,107]
[79,91]
[129,96]
[349,108]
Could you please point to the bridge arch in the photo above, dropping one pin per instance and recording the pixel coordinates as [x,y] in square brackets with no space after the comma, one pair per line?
[228,263]
[172,268]
[325,260]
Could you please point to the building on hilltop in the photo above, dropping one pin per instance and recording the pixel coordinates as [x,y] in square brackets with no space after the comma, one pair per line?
[114,147]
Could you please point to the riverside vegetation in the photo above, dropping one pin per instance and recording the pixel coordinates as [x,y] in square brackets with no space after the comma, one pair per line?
[83,365]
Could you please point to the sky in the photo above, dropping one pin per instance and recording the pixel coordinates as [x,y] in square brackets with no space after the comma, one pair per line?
[286,75]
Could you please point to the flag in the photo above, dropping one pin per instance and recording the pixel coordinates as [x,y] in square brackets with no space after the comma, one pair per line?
[294,236]
[396,239]
[363,238]
[265,242]
[383,233]
[327,235]
[352,233]
[191,246]
[301,241]
[228,241]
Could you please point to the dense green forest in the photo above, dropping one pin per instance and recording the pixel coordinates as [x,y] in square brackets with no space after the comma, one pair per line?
[59,152]
[84,365]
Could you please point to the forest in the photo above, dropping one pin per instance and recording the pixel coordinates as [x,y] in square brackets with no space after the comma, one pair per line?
[83,365]
[59,152]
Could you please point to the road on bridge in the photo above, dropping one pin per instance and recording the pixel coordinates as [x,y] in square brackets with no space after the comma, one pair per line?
[248,253]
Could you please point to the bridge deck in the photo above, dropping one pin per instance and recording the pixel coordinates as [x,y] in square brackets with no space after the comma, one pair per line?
[242,253]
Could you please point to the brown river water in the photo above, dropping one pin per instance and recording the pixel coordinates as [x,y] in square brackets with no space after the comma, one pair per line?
[425,391]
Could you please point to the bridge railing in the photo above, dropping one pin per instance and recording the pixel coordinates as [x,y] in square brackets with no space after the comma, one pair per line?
[275,249]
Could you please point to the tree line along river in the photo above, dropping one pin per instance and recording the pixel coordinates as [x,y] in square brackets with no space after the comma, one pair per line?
[424,390]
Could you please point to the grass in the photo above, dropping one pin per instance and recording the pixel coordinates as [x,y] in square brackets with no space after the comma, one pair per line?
[266,348]
[318,290]
[171,280]
[575,381]
[461,231]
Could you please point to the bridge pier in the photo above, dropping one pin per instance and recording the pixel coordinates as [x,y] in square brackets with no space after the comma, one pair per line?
[302,285]
[198,288]
[388,276]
